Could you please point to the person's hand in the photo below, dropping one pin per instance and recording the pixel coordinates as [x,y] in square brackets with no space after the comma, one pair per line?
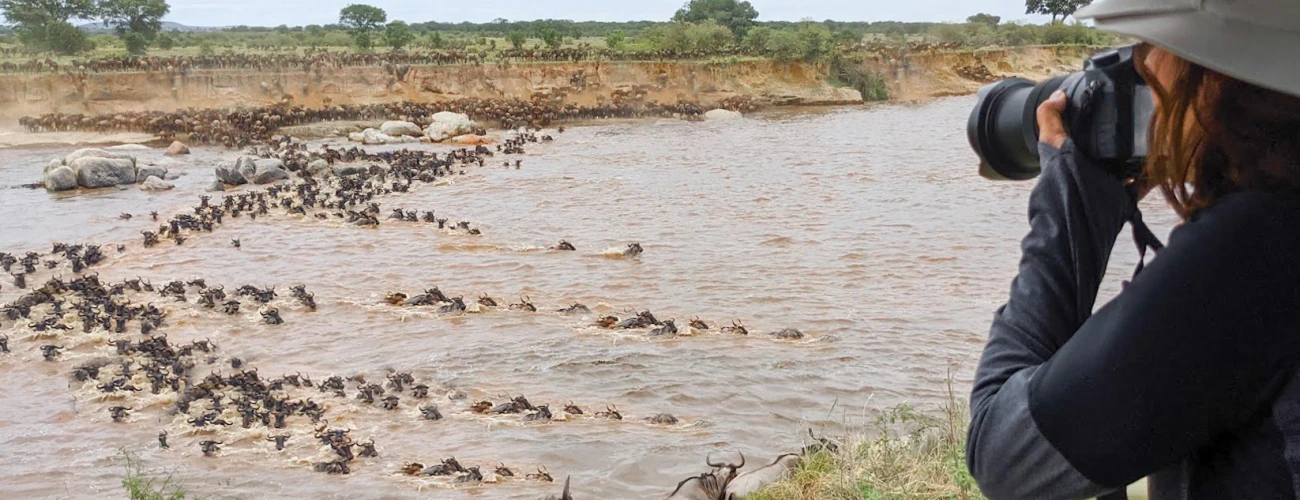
[1051,125]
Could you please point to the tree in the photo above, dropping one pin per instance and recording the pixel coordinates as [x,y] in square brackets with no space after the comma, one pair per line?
[551,37]
[815,40]
[736,16]
[165,41]
[1055,8]
[362,21]
[43,24]
[615,39]
[516,39]
[136,21]
[435,39]
[983,18]
[398,35]
[846,38]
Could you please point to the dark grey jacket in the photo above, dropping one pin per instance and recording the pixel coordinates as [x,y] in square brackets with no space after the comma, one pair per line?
[1187,377]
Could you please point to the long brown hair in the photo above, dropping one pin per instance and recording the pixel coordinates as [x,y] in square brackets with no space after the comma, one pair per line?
[1214,135]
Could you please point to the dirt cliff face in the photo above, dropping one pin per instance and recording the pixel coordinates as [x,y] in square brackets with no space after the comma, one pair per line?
[910,77]
[926,76]
[584,83]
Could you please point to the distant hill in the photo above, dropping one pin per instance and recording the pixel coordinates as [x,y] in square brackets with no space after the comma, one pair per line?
[98,27]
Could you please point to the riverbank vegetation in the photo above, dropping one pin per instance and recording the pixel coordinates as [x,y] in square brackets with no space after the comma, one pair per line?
[140,484]
[905,454]
[702,27]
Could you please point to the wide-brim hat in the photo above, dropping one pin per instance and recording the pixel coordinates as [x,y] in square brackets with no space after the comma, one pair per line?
[1256,41]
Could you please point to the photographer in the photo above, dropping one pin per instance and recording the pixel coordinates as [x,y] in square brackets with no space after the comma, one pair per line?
[1188,377]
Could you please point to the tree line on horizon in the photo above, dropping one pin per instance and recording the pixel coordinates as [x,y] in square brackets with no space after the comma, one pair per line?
[46,26]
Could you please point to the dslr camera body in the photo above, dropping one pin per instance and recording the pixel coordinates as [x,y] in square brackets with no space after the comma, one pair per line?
[1108,116]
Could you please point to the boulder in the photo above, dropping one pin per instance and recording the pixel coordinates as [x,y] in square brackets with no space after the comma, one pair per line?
[229,174]
[722,115]
[94,153]
[177,148]
[398,129]
[268,171]
[53,165]
[216,186]
[62,178]
[95,172]
[154,184]
[147,171]
[246,166]
[344,169]
[171,176]
[372,136]
[319,168]
[473,140]
[447,125]
[128,147]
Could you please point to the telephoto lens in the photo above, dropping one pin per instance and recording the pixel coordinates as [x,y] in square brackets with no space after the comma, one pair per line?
[1108,112]
[1003,129]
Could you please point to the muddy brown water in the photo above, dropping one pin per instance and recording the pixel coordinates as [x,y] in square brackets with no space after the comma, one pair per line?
[866,228]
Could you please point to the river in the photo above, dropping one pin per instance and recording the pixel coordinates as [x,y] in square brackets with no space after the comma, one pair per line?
[866,228]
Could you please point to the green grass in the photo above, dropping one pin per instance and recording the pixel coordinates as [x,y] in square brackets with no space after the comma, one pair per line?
[143,485]
[905,454]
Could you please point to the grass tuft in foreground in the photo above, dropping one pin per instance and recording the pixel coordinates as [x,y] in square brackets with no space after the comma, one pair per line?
[141,485]
[906,455]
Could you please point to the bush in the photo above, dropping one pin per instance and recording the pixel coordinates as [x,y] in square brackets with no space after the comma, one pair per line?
[60,37]
[136,44]
[757,39]
[814,41]
[615,39]
[165,42]
[1073,34]
[140,486]
[516,39]
[850,73]
[784,45]
[682,37]
[206,48]
[906,454]
[551,37]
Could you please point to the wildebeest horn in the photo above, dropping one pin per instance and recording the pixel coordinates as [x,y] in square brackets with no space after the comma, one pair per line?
[708,460]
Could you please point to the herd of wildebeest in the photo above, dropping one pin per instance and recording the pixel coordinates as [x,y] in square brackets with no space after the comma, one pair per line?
[114,335]
[312,59]
[244,127]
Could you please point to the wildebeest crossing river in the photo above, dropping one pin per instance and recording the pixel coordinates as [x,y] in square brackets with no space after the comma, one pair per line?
[866,229]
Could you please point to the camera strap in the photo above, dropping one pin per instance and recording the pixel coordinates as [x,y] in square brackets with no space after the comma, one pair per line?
[1145,240]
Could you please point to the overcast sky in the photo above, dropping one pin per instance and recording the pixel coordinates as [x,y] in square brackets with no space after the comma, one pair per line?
[304,12]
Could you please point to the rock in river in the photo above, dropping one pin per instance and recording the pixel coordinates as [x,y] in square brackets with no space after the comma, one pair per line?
[346,169]
[398,129]
[268,171]
[447,125]
[95,172]
[154,184]
[177,148]
[722,115]
[60,179]
[319,168]
[230,175]
[147,171]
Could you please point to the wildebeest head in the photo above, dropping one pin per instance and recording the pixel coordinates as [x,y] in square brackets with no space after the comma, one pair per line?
[751,482]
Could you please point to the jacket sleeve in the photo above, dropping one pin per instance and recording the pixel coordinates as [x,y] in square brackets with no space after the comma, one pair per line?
[1075,215]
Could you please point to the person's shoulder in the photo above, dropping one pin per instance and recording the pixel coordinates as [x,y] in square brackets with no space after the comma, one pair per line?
[1251,219]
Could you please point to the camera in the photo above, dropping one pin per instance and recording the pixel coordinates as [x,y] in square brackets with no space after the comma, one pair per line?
[1108,116]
